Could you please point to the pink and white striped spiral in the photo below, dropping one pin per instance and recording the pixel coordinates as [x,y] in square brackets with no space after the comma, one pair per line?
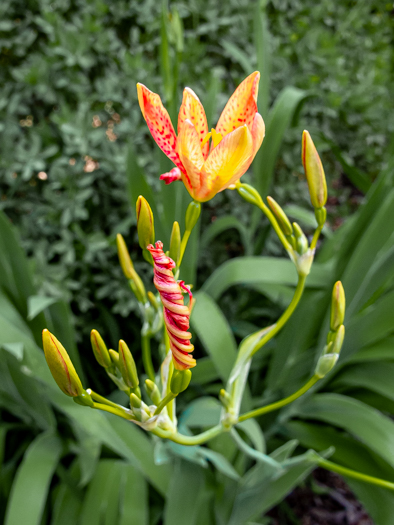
[176,314]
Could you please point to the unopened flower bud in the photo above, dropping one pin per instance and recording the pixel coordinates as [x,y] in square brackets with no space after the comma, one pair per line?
[175,243]
[139,408]
[128,269]
[325,364]
[301,240]
[281,216]
[124,257]
[100,350]
[338,340]
[127,366]
[338,305]
[60,365]
[145,223]
[152,391]
[192,214]
[225,398]
[249,194]
[114,357]
[180,381]
[314,172]
[135,401]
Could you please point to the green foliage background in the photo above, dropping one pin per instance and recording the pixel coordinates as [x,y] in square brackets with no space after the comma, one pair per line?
[68,74]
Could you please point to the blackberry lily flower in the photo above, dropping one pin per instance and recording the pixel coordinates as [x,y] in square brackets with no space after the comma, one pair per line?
[176,314]
[238,136]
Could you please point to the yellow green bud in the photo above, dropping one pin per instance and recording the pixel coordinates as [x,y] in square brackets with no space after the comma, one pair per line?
[127,366]
[152,391]
[128,269]
[114,357]
[321,215]
[301,240]
[338,341]
[60,365]
[281,216]
[124,257]
[338,305]
[135,401]
[225,398]
[314,172]
[325,364]
[99,349]
[192,214]
[180,381]
[249,194]
[175,243]
[145,223]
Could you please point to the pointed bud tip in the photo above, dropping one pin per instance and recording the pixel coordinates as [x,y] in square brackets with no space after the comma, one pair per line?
[60,365]
[314,171]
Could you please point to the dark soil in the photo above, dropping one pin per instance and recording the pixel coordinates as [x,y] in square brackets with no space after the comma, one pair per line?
[325,500]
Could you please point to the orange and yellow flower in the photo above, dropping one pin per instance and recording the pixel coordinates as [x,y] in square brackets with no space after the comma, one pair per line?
[205,170]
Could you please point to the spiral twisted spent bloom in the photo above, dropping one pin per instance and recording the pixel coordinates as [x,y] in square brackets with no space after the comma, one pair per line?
[176,313]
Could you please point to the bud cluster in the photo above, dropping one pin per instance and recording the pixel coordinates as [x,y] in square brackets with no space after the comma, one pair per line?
[336,334]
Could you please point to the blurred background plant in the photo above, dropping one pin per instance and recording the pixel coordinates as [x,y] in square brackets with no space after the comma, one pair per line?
[73,159]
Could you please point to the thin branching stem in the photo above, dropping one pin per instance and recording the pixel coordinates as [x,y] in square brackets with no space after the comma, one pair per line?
[333,467]
[279,404]
[199,439]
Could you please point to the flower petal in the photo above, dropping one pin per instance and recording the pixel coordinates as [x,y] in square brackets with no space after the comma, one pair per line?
[190,153]
[159,123]
[258,132]
[242,106]
[192,109]
[227,162]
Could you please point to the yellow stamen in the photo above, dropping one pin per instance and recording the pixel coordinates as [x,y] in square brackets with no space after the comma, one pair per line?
[216,137]
[205,140]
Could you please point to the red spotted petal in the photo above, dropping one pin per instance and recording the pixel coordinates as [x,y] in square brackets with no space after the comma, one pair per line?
[159,123]
[242,106]
[192,109]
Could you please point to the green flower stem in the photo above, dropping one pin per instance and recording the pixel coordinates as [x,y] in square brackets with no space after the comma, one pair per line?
[355,475]
[103,400]
[271,217]
[169,397]
[285,316]
[146,355]
[112,410]
[184,242]
[181,439]
[279,404]
[316,236]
